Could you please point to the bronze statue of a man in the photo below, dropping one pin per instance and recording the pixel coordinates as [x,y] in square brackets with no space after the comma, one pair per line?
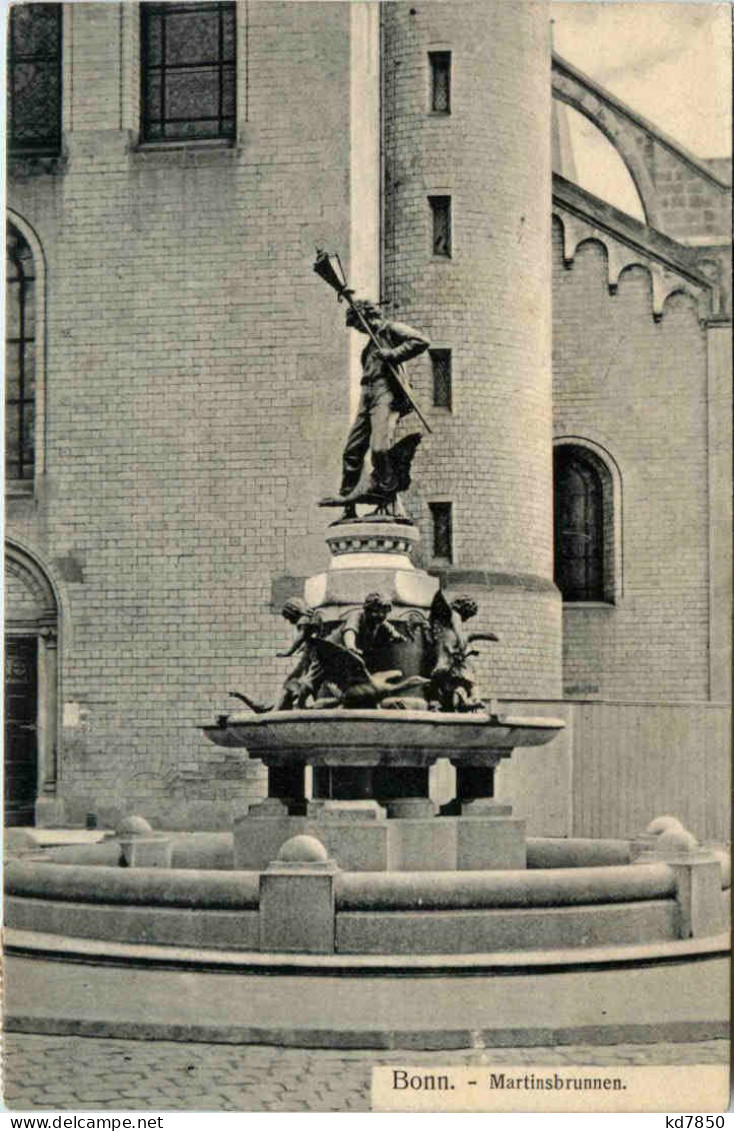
[382,403]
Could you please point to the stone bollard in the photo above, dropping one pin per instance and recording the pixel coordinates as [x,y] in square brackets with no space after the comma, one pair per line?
[698,878]
[297,910]
[140,846]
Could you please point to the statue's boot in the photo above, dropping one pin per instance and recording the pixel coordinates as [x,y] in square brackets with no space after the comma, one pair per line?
[384,483]
[390,508]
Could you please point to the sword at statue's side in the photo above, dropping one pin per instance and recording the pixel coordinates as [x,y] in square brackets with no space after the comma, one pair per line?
[325,269]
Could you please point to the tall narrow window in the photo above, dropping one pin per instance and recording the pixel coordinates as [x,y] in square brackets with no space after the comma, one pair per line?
[442,532]
[441,225]
[441,366]
[20,358]
[188,71]
[579,526]
[34,78]
[440,62]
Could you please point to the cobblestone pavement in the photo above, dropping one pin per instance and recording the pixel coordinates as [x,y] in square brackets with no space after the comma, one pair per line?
[80,1073]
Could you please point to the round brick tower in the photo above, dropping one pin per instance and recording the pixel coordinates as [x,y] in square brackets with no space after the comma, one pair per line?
[467,189]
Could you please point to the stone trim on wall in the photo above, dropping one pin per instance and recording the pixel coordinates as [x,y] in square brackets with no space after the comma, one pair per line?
[665,280]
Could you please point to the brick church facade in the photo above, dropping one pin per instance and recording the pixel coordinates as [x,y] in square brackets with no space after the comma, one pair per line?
[179,384]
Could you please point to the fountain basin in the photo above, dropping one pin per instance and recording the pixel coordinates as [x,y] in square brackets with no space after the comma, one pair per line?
[377,737]
[382,756]
[430,960]
[426,913]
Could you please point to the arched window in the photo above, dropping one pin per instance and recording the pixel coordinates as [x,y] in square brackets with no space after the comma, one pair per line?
[583,525]
[20,358]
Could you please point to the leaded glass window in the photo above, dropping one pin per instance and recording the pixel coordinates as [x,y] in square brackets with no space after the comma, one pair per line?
[34,78]
[441,369]
[20,358]
[440,62]
[188,71]
[579,527]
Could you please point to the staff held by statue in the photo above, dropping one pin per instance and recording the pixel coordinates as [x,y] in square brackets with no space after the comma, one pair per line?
[324,267]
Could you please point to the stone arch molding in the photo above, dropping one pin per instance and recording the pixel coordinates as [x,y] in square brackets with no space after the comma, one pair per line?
[620,256]
[614,568]
[33,578]
[595,110]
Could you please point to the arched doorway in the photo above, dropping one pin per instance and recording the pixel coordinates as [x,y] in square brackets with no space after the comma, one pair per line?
[31,692]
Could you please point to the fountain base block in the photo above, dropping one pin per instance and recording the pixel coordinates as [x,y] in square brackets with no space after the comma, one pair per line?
[368,842]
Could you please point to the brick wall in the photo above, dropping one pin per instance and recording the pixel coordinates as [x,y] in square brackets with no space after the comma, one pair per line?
[691,207]
[638,388]
[197,390]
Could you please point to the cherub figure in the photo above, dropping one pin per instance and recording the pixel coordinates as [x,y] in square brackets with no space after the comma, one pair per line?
[452,683]
[306,677]
[368,632]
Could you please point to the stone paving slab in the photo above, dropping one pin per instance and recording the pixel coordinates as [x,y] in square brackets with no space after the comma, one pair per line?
[91,1074]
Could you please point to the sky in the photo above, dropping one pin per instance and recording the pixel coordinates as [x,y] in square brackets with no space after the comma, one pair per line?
[669,61]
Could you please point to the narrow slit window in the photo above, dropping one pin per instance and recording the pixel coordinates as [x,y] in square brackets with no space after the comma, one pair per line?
[441,366]
[441,225]
[188,71]
[442,531]
[440,62]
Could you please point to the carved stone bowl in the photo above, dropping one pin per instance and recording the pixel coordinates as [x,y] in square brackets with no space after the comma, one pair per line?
[339,737]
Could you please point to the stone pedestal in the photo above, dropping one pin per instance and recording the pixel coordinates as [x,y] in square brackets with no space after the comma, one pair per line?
[368,556]
[698,883]
[297,899]
[367,841]
[697,871]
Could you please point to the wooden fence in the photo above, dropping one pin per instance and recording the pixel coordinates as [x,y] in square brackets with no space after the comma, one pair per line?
[635,761]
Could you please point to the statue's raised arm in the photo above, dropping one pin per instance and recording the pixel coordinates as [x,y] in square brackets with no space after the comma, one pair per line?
[386,396]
